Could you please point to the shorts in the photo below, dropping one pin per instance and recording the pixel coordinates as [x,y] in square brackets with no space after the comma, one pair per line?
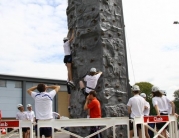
[68,89]
[131,125]
[67,59]
[24,129]
[46,131]
[160,125]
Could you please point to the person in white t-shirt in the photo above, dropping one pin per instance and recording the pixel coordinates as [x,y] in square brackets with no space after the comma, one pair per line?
[30,113]
[68,57]
[91,81]
[136,106]
[43,105]
[31,117]
[146,112]
[22,115]
[161,105]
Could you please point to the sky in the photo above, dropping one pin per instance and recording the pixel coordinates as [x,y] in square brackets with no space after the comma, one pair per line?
[31,34]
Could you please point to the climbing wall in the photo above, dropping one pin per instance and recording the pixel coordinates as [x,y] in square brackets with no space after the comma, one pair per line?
[99,42]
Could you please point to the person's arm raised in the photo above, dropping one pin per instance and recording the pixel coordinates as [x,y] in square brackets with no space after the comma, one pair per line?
[30,90]
[55,87]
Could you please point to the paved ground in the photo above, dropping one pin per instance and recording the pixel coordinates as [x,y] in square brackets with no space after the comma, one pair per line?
[57,135]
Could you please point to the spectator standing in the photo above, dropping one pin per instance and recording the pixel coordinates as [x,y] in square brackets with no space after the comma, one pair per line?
[136,106]
[30,113]
[146,112]
[22,115]
[161,105]
[43,105]
[94,106]
[31,117]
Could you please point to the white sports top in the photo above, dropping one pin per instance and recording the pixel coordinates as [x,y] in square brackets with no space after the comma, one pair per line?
[162,103]
[147,110]
[91,81]
[43,104]
[66,47]
[137,104]
[22,116]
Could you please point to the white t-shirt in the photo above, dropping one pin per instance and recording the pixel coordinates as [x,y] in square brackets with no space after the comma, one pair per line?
[91,81]
[162,103]
[31,115]
[22,116]
[137,104]
[43,104]
[147,110]
[66,47]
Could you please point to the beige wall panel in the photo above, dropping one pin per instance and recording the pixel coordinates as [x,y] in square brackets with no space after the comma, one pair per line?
[63,104]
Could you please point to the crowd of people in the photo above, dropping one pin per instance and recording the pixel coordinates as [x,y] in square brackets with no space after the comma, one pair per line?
[25,115]
[139,107]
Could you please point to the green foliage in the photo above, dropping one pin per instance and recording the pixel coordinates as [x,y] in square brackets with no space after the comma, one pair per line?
[176,95]
[146,87]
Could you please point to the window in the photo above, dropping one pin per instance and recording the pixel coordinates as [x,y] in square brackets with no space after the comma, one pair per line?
[18,84]
[2,83]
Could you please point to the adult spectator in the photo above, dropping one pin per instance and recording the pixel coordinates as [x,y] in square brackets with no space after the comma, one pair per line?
[94,106]
[136,106]
[43,105]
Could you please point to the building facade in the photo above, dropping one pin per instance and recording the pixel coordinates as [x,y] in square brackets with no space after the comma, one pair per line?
[13,90]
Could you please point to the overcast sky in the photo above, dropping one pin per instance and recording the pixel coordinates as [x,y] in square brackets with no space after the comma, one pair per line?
[31,34]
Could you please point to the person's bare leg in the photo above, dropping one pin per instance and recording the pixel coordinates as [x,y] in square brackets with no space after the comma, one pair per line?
[131,133]
[140,133]
[81,85]
[146,133]
[69,71]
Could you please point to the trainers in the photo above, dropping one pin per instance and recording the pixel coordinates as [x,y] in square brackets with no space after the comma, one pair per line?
[71,83]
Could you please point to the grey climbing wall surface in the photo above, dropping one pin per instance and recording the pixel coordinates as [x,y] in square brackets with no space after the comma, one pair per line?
[99,42]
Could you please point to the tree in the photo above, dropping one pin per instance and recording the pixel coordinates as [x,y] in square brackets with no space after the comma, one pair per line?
[176,101]
[176,95]
[146,87]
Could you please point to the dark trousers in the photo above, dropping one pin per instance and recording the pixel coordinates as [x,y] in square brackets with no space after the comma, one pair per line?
[94,129]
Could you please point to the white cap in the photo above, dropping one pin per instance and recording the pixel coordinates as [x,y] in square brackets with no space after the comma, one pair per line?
[65,38]
[93,70]
[162,92]
[155,89]
[135,88]
[19,105]
[29,105]
[143,95]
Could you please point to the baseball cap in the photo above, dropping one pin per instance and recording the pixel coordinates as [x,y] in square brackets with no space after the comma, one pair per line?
[162,91]
[143,95]
[93,70]
[29,105]
[19,105]
[155,89]
[135,88]
[65,38]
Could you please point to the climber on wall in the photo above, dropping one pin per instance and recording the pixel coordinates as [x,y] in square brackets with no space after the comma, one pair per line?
[91,81]
[68,57]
